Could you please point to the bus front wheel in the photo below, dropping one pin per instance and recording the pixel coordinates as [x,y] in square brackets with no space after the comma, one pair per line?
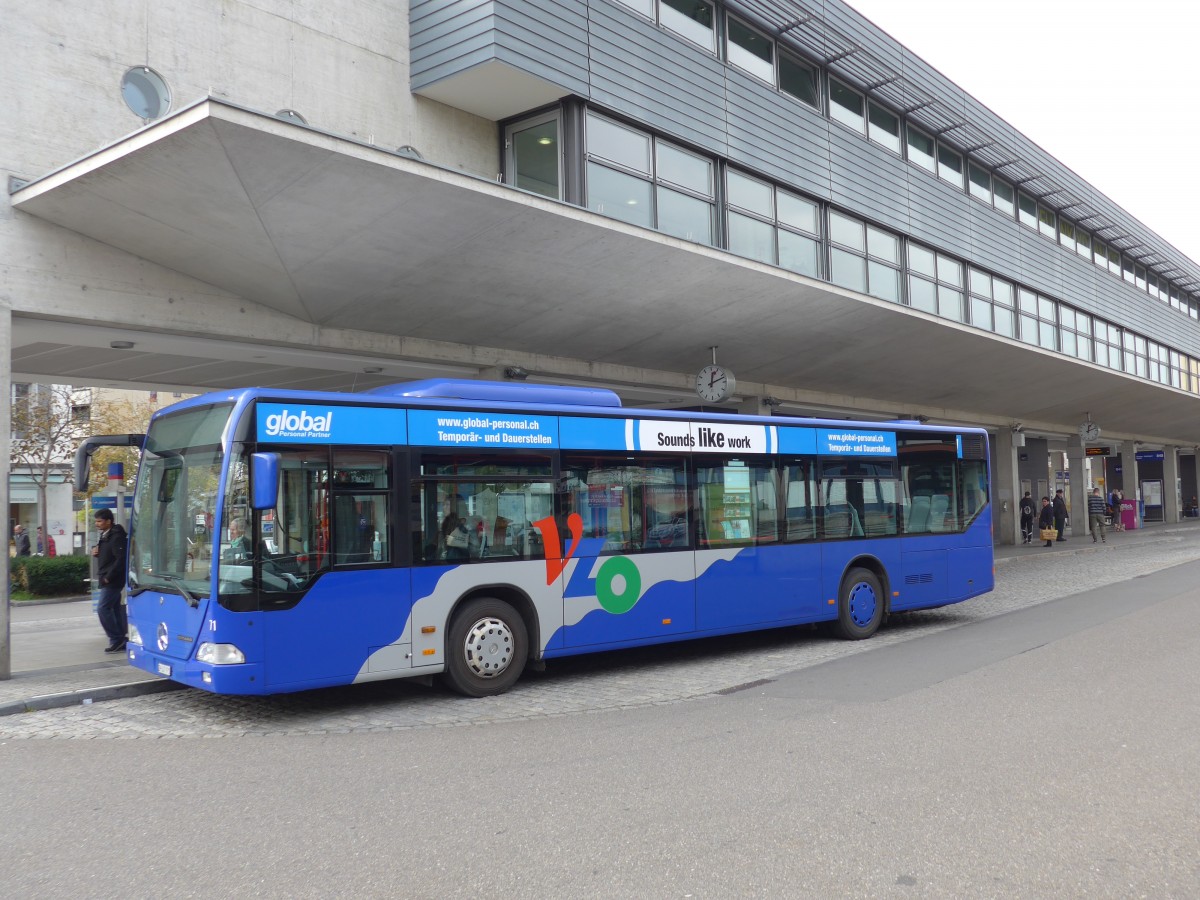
[860,605]
[486,648]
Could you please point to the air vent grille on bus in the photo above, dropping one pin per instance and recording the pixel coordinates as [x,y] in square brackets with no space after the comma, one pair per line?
[974,446]
[923,578]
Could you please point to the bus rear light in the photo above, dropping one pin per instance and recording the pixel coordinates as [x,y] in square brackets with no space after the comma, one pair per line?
[220,654]
[135,636]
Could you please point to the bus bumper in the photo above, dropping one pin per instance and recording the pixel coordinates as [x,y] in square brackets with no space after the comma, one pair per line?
[246,678]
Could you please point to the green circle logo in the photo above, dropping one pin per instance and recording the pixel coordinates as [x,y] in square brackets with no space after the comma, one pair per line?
[618,585]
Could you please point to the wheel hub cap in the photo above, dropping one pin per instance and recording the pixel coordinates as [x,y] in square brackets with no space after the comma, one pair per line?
[862,604]
[489,647]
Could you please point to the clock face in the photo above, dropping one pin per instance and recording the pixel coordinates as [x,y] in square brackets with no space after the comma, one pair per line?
[1089,431]
[715,384]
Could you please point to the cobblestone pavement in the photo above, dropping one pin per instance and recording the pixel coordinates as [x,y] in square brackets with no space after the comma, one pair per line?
[590,684]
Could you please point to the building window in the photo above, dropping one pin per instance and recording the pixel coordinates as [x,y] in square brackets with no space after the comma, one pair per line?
[1100,252]
[991,302]
[950,166]
[883,128]
[772,225]
[1076,332]
[980,182]
[846,105]
[921,149]
[645,7]
[641,180]
[1083,243]
[1027,210]
[691,19]
[533,151]
[1046,223]
[864,258]
[1066,233]
[1003,198]
[798,79]
[1108,344]
[935,283]
[145,93]
[750,51]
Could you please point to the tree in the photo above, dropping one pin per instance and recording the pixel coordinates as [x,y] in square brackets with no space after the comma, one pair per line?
[44,437]
[118,413]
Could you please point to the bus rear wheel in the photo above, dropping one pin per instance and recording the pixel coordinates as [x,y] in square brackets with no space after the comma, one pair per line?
[486,648]
[860,605]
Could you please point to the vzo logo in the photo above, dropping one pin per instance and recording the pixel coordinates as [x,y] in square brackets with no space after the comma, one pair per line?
[618,583]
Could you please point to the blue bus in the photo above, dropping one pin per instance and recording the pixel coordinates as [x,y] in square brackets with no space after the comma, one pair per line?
[282,540]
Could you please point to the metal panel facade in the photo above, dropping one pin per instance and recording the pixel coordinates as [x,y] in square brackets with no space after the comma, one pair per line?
[625,63]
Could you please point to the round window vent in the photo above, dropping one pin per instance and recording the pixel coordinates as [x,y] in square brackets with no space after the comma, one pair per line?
[145,93]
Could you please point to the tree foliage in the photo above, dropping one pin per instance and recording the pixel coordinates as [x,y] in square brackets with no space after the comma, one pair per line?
[117,414]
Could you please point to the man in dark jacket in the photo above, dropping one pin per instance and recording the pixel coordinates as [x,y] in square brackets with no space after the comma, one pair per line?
[21,540]
[1060,513]
[110,573]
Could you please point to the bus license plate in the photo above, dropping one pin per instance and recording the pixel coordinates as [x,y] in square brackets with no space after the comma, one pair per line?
[164,669]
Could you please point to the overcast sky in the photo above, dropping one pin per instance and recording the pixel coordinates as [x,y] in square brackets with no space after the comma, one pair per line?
[1109,89]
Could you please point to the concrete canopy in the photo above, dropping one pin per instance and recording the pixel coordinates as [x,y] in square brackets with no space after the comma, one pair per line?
[326,231]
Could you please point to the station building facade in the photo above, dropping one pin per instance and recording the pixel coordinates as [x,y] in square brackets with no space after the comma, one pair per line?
[585,191]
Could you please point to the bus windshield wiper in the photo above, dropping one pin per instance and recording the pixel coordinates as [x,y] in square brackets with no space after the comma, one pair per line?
[176,580]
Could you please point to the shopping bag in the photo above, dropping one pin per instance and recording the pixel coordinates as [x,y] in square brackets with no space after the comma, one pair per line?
[1049,534]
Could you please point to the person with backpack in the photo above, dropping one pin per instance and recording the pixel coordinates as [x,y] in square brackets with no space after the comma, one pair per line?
[1027,518]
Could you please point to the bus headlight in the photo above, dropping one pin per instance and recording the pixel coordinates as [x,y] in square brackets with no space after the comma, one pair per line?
[135,636]
[219,654]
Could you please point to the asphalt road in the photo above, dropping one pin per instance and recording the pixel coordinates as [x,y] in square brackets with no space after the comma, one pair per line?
[1050,751]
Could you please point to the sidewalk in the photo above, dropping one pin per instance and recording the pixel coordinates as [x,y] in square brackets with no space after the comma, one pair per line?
[59,659]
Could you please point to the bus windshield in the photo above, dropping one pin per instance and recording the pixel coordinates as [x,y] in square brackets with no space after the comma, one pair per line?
[174,509]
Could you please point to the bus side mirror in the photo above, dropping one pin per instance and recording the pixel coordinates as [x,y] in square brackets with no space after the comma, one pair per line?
[264,480]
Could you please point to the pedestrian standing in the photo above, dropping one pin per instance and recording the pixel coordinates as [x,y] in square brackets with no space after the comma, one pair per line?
[1096,516]
[21,539]
[45,544]
[1027,518]
[1118,520]
[1046,520]
[1060,513]
[110,573]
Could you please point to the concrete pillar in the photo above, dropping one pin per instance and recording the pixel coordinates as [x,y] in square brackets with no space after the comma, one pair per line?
[1129,473]
[1006,494]
[1192,463]
[1170,485]
[5,469]
[1077,510]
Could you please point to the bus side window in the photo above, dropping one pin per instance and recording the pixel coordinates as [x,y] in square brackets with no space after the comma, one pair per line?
[800,521]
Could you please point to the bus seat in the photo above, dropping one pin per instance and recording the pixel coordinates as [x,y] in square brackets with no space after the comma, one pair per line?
[939,505]
[856,528]
[917,520]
